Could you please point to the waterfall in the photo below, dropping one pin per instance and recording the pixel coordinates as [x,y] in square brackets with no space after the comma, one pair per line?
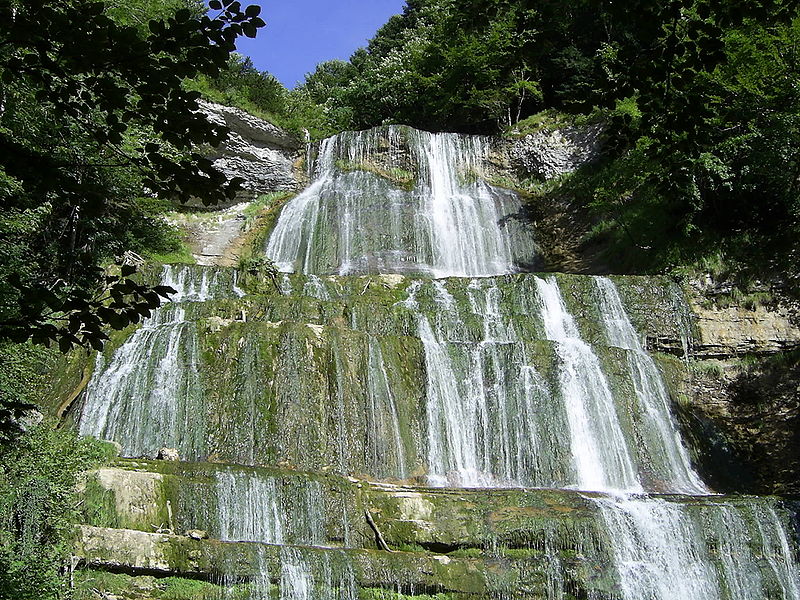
[601,454]
[315,288]
[249,508]
[309,577]
[257,508]
[663,551]
[775,542]
[356,218]
[658,551]
[460,373]
[490,415]
[386,448]
[262,509]
[667,456]
[146,396]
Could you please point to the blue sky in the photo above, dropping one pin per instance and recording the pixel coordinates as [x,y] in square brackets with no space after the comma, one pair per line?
[303,33]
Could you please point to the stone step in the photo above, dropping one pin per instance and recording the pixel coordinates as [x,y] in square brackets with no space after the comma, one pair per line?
[182,497]
[163,555]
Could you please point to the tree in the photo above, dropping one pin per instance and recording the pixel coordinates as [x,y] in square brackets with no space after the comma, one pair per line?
[92,112]
[715,84]
[93,116]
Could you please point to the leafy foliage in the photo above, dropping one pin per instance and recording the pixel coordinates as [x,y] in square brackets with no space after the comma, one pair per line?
[93,112]
[712,161]
[38,477]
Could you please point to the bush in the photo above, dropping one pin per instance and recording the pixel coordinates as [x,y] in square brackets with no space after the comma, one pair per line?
[38,476]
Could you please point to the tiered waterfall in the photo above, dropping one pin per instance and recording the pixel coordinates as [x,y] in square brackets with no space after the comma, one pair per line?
[406,381]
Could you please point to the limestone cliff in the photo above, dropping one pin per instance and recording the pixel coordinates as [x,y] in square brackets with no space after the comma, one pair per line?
[256,150]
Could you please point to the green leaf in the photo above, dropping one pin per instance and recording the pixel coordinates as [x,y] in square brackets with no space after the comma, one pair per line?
[249,30]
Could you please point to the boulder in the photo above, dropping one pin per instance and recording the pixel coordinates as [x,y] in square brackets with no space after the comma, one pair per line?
[547,154]
[170,454]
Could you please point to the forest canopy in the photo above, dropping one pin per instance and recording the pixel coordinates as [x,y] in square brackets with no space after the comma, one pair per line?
[699,100]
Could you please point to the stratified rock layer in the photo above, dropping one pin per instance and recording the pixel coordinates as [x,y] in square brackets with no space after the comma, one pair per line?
[257,151]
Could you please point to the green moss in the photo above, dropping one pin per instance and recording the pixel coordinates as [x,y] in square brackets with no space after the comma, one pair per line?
[708,368]
[90,585]
[409,548]
[182,255]
[550,120]
[466,553]
[176,588]
[95,585]
[259,274]
[397,176]
[521,553]
[98,507]
[384,594]
[265,210]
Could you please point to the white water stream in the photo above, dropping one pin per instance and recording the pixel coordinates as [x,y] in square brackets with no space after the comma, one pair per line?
[353,220]
[146,395]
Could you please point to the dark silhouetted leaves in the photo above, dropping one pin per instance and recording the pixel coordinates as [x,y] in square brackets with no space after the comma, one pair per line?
[79,91]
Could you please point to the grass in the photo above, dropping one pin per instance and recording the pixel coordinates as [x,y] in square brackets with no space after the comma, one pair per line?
[260,218]
[182,256]
[90,584]
[466,553]
[708,368]
[263,205]
[550,120]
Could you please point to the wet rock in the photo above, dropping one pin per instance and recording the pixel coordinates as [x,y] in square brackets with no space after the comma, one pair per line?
[170,454]
[197,534]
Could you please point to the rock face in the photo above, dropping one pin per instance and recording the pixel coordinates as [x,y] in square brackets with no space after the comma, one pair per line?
[548,154]
[736,330]
[747,417]
[255,150]
[743,387]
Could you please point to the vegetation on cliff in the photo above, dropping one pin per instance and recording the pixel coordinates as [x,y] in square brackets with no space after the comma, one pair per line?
[699,96]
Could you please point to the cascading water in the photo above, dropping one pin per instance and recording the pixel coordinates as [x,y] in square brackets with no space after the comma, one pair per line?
[664,550]
[261,509]
[386,450]
[353,219]
[490,415]
[513,388]
[668,459]
[602,458]
[145,396]
[661,552]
